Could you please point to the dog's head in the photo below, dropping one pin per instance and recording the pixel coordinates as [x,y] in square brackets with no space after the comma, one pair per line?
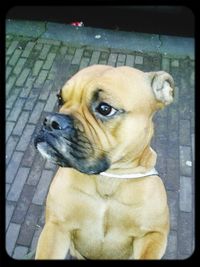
[105,118]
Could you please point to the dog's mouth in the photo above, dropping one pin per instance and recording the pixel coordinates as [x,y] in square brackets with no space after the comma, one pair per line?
[66,148]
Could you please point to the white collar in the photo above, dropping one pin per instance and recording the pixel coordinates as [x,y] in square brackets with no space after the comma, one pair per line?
[131,175]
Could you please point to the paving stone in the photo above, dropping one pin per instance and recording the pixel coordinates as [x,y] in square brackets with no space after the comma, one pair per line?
[112,59]
[32,98]
[21,122]
[173,208]
[23,204]
[13,166]
[172,176]
[130,60]
[95,58]
[11,237]
[29,155]
[26,137]
[14,114]
[193,144]
[9,128]
[185,200]
[48,41]
[29,226]
[84,63]
[10,147]
[20,64]
[44,93]
[41,78]
[185,234]
[52,100]
[37,111]
[18,184]
[12,47]
[51,166]
[87,53]
[28,49]
[26,89]
[165,64]
[10,83]
[184,132]
[23,76]
[175,63]
[138,60]
[20,252]
[35,238]
[37,66]
[7,188]
[43,187]
[45,51]
[14,58]
[36,170]
[185,161]
[9,212]
[77,56]
[8,71]
[171,251]
[49,61]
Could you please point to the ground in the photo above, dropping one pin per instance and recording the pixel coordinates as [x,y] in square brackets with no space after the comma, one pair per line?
[40,57]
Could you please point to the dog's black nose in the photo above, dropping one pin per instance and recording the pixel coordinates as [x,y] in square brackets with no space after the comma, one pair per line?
[57,121]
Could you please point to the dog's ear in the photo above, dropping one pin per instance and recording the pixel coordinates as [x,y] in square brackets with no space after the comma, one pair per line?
[162,85]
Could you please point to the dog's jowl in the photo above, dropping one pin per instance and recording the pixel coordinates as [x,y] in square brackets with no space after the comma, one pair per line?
[106,200]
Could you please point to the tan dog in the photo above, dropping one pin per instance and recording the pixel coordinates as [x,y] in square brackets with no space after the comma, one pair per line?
[107,201]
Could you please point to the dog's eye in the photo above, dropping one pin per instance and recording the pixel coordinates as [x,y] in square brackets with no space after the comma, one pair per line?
[60,100]
[105,109]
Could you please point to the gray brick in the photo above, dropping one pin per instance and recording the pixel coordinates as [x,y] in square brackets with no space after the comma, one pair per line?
[130,60]
[172,176]
[28,49]
[171,251]
[35,238]
[139,60]
[43,187]
[25,91]
[121,58]
[37,111]
[14,57]
[18,184]
[46,89]
[193,144]
[185,233]
[112,59]
[50,102]
[172,119]
[41,79]
[10,83]
[13,166]
[12,98]
[8,71]
[84,63]
[23,204]
[23,76]
[26,137]
[11,237]
[51,166]
[32,98]
[95,58]
[9,128]
[7,112]
[17,69]
[173,208]
[9,212]
[185,161]
[29,155]
[185,194]
[184,132]
[10,146]
[48,41]
[45,51]
[77,56]
[49,61]
[20,252]
[12,47]
[7,188]
[21,123]
[165,64]
[36,170]
[175,63]
[29,226]
[37,66]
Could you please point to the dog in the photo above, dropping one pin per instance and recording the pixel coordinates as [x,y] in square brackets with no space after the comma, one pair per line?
[106,200]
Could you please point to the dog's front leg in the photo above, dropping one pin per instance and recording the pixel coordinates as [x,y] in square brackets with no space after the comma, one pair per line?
[151,246]
[53,242]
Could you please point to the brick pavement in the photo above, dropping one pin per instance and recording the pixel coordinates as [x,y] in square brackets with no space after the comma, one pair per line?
[36,68]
